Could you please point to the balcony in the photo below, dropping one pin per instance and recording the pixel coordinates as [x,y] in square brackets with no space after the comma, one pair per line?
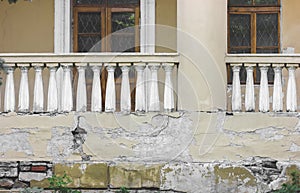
[263,82]
[103,82]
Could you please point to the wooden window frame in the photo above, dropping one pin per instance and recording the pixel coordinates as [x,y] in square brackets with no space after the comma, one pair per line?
[106,12]
[253,10]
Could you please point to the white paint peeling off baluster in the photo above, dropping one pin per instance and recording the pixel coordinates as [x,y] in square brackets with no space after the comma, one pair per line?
[153,95]
[140,100]
[277,90]
[52,103]
[249,93]
[38,93]
[67,98]
[264,90]
[168,88]
[9,97]
[23,105]
[81,98]
[96,105]
[236,100]
[110,95]
[125,89]
[291,96]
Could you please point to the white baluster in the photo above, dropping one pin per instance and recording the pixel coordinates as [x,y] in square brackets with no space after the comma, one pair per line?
[23,105]
[9,97]
[154,95]
[81,99]
[67,98]
[38,94]
[277,90]
[96,105]
[110,95]
[125,89]
[249,93]
[264,90]
[236,100]
[140,100]
[168,88]
[52,103]
[291,96]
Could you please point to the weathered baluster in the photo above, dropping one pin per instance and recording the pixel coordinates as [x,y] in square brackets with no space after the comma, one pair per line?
[38,94]
[23,105]
[110,95]
[9,97]
[125,89]
[249,93]
[140,100]
[264,90]
[291,96]
[52,103]
[236,100]
[96,105]
[153,104]
[277,89]
[67,98]
[81,98]
[168,88]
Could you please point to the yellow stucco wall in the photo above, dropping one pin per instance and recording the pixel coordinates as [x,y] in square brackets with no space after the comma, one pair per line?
[27,26]
[166,22]
[291,24]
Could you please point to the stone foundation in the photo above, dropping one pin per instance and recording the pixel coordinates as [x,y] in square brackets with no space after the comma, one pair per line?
[252,175]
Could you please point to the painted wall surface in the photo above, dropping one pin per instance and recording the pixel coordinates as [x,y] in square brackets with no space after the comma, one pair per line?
[291,24]
[27,26]
[166,23]
[202,45]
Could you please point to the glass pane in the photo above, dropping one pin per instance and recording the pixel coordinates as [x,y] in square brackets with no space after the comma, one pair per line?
[89,22]
[240,51]
[239,2]
[122,2]
[122,20]
[266,2]
[89,2]
[267,30]
[122,43]
[264,50]
[89,43]
[240,33]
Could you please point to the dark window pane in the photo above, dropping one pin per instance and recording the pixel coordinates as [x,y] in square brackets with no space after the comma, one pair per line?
[123,2]
[89,2]
[122,43]
[264,50]
[89,22]
[122,20]
[266,2]
[239,2]
[240,34]
[89,43]
[240,51]
[267,30]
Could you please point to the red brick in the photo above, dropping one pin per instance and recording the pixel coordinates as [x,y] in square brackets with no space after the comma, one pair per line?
[38,168]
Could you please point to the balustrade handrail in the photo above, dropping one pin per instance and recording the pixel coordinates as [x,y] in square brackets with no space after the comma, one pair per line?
[60,86]
[263,58]
[11,58]
[277,96]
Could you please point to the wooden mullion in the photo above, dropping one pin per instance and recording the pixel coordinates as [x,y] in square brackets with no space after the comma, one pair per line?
[254,9]
[108,30]
[253,33]
[136,28]
[278,28]
[75,30]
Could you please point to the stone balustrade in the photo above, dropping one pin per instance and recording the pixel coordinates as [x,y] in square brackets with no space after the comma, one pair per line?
[263,82]
[67,84]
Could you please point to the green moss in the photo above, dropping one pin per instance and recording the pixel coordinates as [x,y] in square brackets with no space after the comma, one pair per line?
[234,174]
